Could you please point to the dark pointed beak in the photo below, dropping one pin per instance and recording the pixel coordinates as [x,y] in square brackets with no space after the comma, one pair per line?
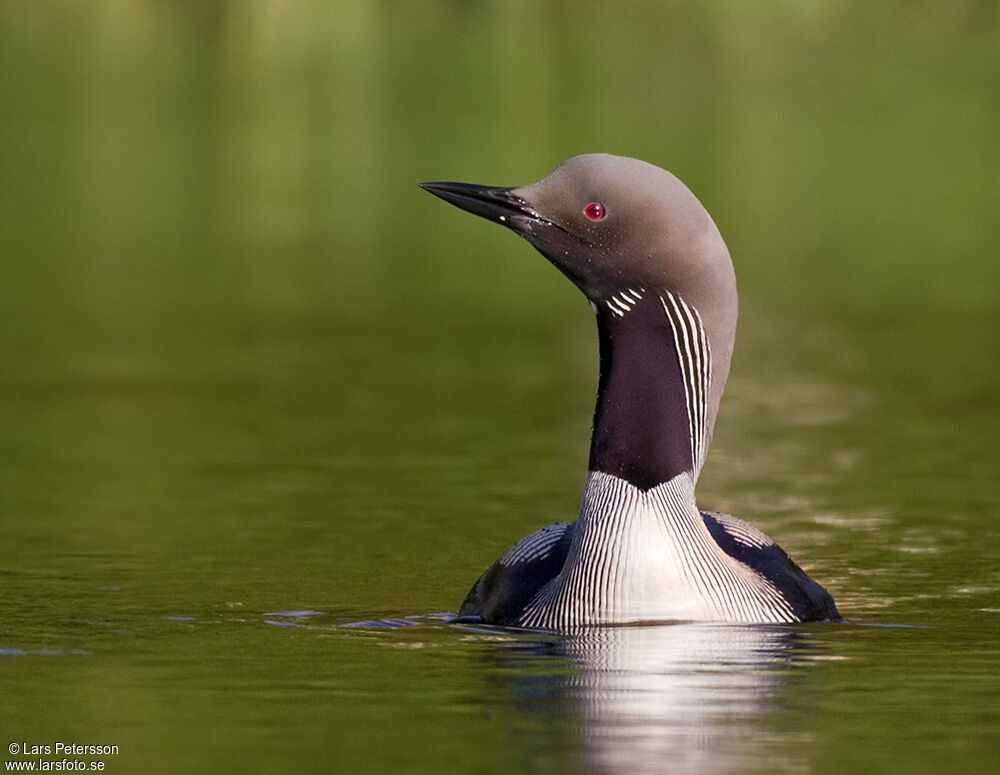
[494,203]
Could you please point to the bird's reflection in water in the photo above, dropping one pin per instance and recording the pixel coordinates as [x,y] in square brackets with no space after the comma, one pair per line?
[669,698]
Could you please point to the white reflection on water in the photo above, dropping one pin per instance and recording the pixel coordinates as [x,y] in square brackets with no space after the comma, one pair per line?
[673,698]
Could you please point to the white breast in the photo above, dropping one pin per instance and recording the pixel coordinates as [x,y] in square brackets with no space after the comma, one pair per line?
[646,555]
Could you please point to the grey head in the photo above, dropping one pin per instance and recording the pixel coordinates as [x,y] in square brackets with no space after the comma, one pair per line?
[617,225]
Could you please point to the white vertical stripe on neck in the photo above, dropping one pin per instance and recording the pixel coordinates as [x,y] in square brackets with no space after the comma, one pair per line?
[695,359]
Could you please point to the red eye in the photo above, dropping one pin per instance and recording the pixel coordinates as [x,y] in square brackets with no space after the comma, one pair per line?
[594,211]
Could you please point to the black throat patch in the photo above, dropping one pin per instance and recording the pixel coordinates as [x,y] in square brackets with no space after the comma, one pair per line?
[642,427]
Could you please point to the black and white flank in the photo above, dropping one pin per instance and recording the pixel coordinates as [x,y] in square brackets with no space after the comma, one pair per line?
[660,280]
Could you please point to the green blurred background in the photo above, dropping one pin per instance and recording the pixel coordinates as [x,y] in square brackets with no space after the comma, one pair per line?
[250,367]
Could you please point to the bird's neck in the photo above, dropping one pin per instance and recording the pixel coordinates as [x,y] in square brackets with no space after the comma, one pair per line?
[652,420]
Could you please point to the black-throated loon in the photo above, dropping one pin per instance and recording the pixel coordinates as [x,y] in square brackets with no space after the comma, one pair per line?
[659,278]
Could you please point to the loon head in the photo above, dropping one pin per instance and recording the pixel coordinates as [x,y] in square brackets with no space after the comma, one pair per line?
[622,230]
[611,223]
